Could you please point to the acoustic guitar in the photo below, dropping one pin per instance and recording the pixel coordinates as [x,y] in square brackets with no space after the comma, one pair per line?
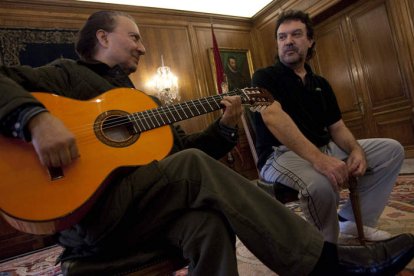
[121,128]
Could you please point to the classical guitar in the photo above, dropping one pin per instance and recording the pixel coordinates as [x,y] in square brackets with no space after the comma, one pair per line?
[120,128]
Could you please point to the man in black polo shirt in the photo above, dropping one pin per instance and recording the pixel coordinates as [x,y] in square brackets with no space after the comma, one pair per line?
[302,141]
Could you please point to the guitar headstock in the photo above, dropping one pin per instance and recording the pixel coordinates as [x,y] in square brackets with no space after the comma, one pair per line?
[257,98]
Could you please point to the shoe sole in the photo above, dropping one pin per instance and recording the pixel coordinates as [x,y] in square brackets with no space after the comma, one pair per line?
[349,236]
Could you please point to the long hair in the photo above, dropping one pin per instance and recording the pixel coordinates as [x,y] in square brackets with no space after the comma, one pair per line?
[305,19]
[86,40]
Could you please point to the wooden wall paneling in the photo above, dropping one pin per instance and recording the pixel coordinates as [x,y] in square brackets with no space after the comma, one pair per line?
[410,5]
[173,42]
[382,76]
[266,42]
[382,68]
[354,124]
[263,30]
[313,7]
[200,79]
[403,14]
[11,17]
[333,60]
[264,24]
[179,46]
[401,124]
[320,6]
[257,49]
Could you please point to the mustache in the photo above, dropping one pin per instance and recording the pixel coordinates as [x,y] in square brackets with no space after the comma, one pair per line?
[290,48]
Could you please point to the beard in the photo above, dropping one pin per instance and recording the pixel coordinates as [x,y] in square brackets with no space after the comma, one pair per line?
[292,57]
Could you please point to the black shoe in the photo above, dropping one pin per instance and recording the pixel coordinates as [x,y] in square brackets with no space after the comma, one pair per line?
[386,257]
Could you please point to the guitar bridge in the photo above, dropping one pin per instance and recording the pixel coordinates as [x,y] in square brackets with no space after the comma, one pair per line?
[55,173]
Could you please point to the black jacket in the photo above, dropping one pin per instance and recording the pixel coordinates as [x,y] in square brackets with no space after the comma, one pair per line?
[84,81]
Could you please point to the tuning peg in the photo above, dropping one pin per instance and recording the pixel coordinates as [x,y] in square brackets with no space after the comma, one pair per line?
[255,108]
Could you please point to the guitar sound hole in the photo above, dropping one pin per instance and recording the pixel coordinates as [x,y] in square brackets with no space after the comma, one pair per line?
[114,129]
[116,132]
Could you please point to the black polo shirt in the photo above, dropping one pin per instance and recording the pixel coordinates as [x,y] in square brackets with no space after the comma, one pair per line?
[312,105]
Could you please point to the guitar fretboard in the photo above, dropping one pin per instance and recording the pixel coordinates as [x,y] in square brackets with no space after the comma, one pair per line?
[153,118]
[165,115]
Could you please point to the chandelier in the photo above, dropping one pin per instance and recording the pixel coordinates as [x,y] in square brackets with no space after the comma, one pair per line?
[165,84]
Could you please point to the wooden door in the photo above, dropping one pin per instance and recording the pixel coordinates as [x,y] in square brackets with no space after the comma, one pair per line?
[364,54]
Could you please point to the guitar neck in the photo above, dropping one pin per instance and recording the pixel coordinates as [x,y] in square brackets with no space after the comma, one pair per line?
[165,115]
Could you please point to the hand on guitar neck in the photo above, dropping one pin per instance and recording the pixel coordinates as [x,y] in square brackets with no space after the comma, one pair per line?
[232,112]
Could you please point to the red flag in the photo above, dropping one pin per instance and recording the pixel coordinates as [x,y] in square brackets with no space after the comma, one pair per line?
[220,77]
[217,62]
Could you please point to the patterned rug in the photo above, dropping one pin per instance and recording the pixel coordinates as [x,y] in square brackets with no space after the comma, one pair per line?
[398,217]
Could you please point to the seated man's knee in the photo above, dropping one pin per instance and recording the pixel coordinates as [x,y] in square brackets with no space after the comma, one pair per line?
[396,147]
[388,150]
[322,190]
[191,156]
[210,226]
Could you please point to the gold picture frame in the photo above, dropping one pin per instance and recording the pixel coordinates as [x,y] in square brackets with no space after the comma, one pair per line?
[244,63]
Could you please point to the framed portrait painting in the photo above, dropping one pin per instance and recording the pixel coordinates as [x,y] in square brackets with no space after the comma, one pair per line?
[237,66]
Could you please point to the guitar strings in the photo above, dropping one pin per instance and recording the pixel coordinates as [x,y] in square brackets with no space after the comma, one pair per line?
[147,117]
[177,113]
[157,113]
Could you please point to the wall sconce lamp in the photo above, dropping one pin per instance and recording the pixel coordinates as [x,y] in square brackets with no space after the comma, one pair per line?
[165,84]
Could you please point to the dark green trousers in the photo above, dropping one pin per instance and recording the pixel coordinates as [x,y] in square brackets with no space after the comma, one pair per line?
[199,205]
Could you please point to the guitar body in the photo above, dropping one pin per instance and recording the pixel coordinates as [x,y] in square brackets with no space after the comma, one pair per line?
[37,200]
